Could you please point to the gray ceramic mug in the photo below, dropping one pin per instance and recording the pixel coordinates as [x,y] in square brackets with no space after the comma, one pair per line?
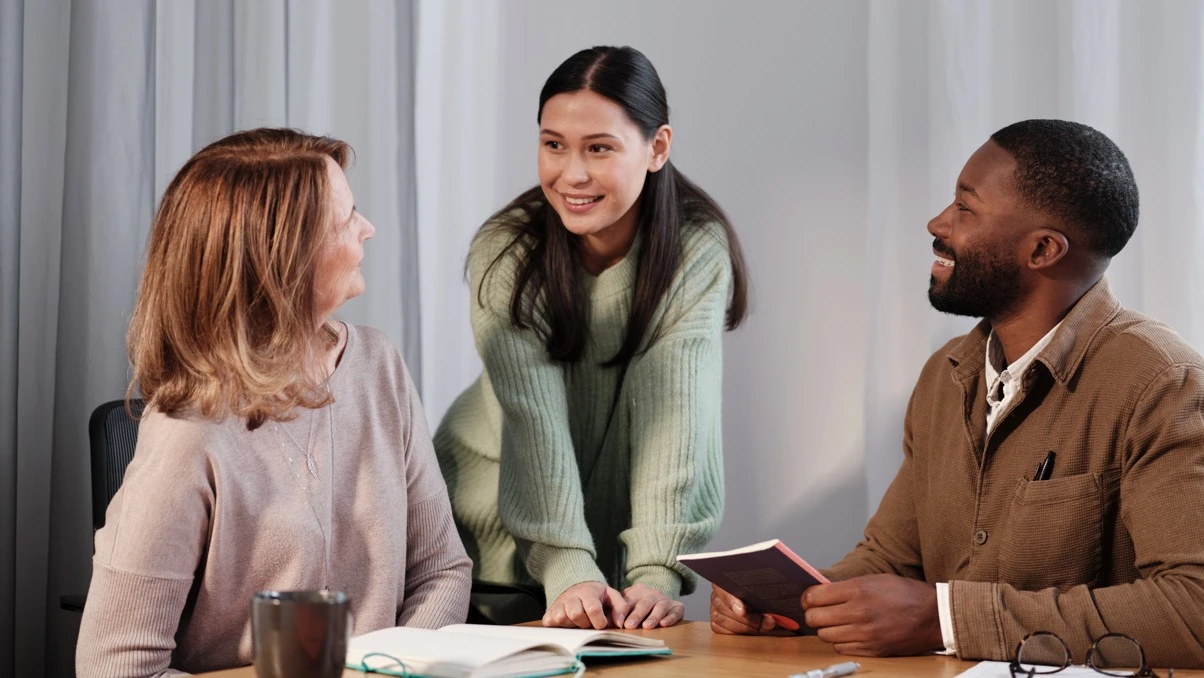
[300,634]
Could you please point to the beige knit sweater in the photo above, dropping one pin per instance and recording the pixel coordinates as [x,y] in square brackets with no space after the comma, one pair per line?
[209,513]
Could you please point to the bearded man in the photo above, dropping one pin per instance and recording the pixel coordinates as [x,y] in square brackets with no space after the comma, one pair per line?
[1053,458]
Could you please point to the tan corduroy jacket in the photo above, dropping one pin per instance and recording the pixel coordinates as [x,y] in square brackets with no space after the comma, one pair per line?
[1112,542]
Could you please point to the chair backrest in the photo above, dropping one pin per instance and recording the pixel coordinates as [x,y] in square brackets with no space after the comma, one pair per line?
[113,436]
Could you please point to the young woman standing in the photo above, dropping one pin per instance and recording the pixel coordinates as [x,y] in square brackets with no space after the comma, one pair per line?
[587,456]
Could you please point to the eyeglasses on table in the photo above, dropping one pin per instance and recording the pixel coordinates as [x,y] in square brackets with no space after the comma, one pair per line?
[1113,654]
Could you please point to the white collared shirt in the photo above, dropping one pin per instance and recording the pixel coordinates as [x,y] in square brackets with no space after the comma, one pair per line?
[1003,380]
[1003,383]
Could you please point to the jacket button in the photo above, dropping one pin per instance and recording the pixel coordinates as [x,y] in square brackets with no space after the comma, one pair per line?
[980,537]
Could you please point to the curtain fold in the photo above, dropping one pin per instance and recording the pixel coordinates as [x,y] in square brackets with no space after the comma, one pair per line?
[11,25]
[108,200]
[100,104]
[457,81]
[36,49]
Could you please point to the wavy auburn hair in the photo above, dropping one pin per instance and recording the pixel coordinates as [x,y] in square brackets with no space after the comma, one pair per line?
[225,322]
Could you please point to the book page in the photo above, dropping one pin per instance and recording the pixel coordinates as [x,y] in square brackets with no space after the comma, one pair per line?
[573,640]
[447,655]
[751,548]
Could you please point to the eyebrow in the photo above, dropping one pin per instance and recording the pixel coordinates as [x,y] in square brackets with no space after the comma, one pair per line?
[966,188]
[587,137]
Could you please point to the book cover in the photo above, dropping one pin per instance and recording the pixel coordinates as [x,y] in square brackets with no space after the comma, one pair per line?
[768,577]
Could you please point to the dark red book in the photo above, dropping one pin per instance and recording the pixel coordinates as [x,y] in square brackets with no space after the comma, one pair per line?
[768,577]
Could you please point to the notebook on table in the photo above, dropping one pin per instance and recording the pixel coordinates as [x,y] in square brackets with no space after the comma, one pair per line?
[768,577]
[480,651]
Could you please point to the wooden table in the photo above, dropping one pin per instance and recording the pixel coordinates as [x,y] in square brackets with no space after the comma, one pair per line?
[698,652]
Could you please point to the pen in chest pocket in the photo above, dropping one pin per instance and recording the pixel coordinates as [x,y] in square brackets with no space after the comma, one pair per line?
[1045,468]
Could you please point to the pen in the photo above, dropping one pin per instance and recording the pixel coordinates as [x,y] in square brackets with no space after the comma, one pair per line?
[832,671]
[1045,468]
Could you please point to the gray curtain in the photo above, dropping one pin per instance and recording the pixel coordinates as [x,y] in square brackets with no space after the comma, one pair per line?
[100,103]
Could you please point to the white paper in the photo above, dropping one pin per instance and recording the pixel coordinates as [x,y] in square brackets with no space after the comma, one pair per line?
[1000,670]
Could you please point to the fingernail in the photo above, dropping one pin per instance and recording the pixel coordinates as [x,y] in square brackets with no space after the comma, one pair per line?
[737,608]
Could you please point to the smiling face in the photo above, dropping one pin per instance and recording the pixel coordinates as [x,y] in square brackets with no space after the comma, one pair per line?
[593,161]
[337,275]
[978,240]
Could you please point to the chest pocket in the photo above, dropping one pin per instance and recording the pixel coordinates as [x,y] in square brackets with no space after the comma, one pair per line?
[1054,535]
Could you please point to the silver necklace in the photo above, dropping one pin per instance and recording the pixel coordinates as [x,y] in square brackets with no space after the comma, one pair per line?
[310,464]
[304,481]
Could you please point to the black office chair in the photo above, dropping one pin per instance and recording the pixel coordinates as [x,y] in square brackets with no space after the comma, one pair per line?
[505,604]
[112,435]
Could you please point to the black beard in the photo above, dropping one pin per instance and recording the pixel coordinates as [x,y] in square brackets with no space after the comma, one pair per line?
[981,285]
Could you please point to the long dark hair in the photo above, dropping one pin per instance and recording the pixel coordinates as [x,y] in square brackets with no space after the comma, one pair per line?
[548,269]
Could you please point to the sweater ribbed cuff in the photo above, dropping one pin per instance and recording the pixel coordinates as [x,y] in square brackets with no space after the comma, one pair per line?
[561,568]
[977,631]
[121,637]
[438,571]
[659,577]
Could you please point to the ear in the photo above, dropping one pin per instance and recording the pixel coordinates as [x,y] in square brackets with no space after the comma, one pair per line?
[1048,248]
[660,148]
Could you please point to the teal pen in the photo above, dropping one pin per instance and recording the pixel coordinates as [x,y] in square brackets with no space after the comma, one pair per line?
[833,671]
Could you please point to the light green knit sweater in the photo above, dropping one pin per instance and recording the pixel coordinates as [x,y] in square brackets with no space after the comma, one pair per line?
[540,492]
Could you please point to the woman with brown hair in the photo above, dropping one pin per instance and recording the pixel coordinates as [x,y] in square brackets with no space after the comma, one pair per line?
[281,448]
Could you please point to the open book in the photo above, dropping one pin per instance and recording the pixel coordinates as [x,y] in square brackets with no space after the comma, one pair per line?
[768,577]
[479,651]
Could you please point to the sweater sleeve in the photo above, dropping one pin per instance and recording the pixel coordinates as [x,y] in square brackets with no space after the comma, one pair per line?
[1162,481]
[675,390]
[540,501]
[147,554]
[438,570]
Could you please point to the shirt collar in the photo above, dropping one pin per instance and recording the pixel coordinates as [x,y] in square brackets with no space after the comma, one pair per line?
[996,360]
[1066,349]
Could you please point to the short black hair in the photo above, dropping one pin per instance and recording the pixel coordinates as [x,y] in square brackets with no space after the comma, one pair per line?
[1076,174]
